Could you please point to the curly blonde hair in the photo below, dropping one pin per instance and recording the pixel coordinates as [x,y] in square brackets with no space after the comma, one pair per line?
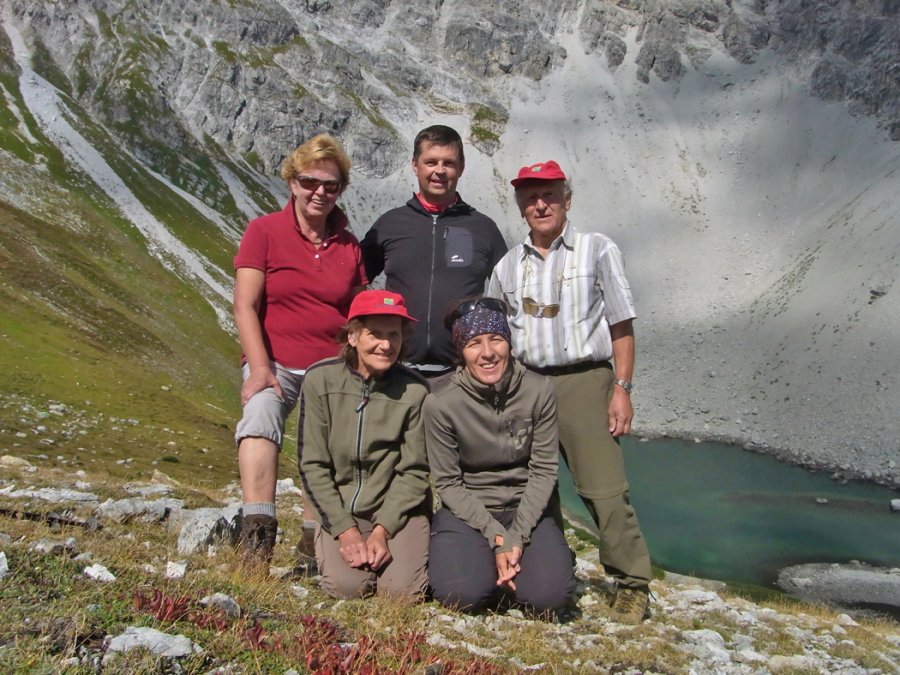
[321,148]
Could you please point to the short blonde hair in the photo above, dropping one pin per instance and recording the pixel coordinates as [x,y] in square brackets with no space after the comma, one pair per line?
[321,148]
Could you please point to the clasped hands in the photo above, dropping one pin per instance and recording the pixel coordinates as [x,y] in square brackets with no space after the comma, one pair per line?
[370,552]
[507,564]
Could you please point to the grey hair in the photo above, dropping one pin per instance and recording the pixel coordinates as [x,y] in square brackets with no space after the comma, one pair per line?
[567,191]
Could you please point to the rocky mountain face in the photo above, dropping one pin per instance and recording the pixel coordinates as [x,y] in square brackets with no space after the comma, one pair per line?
[741,153]
[256,77]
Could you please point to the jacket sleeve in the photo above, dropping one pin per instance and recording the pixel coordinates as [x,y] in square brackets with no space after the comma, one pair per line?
[372,252]
[410,483]
[543,465]
[443,460]
[317,462]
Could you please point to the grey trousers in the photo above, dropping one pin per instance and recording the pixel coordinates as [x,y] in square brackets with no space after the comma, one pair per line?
[595,460]
[405,576]
[463,569]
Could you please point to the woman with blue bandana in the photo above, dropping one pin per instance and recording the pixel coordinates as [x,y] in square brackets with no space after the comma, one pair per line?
[492,450]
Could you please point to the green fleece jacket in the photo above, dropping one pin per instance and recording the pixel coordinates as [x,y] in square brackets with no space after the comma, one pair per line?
[363,451]
[494,448]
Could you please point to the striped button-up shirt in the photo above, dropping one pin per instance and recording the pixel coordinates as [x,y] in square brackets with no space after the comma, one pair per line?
[561,306]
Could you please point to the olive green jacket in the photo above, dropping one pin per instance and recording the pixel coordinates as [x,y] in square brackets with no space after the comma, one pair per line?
[363,451]
[494,448]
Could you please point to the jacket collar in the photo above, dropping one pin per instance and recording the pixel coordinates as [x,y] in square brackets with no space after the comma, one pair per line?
[460,207]
[494,394]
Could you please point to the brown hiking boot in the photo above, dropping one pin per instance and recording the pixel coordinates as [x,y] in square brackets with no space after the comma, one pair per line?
[256,540]
[631,605]
[305,552]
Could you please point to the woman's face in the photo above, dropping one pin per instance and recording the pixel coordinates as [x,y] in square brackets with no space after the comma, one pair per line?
[486,357]
[377,344]
[316,189]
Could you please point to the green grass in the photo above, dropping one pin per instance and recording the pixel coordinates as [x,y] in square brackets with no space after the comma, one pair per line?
[11,136]
[485,114]
[91,321]
[82,327]
[487,124]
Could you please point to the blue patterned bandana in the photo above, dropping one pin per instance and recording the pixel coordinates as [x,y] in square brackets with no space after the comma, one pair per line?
[477,322]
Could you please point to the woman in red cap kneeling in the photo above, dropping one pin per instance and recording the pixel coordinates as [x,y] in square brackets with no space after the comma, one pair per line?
[363,461]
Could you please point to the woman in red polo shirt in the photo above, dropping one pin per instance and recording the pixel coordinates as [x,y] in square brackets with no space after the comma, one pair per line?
[297,271]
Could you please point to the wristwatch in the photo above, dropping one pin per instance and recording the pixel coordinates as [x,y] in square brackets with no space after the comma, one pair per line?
[626,385]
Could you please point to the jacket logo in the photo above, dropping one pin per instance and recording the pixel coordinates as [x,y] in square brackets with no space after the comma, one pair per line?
[456,258]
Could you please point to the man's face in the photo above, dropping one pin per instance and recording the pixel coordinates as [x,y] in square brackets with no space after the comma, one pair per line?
[543,204]
[438,169]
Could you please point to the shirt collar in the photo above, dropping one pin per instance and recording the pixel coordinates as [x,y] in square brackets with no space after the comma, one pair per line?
[566,238]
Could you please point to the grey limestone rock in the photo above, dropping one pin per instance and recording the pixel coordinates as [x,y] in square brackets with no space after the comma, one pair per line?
[53,495]
[226,603]
[124,510]
[156,642]
[202,527]
[744,35]
[55,547]
[707,645]
[13,461]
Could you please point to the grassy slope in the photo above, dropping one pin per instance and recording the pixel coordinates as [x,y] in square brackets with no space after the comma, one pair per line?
[90,320]
[88,316]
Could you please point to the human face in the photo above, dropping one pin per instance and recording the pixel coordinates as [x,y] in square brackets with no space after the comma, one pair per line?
[544,204]
[314,205]
[438,169]
[377,344]
[486,357]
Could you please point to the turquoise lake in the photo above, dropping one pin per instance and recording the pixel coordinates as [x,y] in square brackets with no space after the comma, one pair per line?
[721,512]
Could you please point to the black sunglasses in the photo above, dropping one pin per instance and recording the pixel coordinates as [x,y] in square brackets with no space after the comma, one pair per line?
[471,305]
[312,184]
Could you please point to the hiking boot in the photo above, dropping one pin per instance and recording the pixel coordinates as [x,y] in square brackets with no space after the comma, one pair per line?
[257,539]
[305,552]
[631,605]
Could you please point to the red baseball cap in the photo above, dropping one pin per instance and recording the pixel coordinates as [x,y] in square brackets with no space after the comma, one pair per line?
[369,303]
[548,170]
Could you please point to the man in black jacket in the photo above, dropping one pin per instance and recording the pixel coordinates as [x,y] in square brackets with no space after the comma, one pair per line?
[435,248]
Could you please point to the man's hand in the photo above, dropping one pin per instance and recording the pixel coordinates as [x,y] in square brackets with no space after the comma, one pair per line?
[378,551]
[507,564]
[353,548]
[260,378]
[620,412]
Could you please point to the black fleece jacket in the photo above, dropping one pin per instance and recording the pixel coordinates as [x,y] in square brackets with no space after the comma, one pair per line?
[432,259]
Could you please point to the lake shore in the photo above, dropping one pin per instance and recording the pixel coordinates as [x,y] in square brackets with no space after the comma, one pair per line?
[853,585]
[826,463]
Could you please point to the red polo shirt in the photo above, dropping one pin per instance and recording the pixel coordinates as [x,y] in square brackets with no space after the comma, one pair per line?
[308,290]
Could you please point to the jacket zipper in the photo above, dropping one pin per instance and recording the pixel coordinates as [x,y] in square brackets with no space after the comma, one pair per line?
[360,408]
[434,219]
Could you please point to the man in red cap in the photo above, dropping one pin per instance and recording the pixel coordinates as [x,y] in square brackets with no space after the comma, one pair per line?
[571,318]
